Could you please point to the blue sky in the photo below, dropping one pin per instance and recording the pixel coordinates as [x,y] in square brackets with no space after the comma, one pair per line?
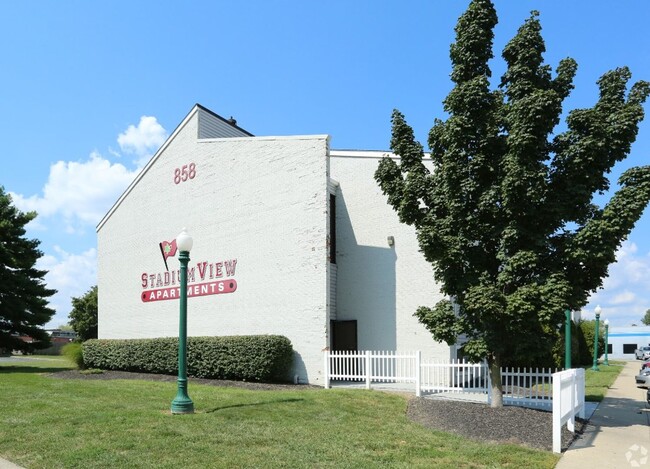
[89,90]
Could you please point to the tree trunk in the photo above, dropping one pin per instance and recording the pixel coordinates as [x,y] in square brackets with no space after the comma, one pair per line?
[495,378]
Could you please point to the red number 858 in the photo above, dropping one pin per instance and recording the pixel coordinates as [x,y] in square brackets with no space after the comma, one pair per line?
[184,173]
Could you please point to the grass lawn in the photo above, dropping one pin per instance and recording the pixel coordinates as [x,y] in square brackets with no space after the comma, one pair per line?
[49,422]
[598,382]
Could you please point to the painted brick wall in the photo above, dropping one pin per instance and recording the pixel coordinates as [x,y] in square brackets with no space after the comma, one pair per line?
[260,200]
[378,285]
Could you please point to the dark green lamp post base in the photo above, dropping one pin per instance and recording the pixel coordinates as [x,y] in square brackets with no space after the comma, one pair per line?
[182,404]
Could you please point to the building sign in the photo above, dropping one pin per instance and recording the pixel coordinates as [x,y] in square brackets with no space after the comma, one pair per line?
[203,278]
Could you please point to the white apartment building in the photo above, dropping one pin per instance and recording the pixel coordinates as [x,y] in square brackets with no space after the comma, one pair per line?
[290,238]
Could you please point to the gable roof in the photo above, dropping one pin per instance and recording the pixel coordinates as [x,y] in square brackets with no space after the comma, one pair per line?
[210,125]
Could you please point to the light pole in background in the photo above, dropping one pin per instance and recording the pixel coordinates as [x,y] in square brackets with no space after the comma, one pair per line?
[598,310]
[182,404]
[606,362]
[567,340]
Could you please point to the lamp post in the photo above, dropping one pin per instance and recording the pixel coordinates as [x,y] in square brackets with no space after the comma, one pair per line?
[567,340]
[598,310]
[606,362]
[182,404]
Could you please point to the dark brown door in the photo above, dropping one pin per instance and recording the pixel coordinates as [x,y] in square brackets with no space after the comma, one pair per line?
[344,335]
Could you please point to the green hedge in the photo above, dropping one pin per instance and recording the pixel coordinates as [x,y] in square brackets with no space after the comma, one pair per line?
[72,351]
[586,337]
[249,358]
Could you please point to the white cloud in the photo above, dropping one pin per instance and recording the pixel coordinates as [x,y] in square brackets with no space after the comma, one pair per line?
[627,249]
[625,295]
[142,141]
[80,192]
[623,298]
[71,275]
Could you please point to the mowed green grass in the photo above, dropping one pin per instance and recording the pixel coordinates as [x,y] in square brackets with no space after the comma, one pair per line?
[598,382]
[48,422]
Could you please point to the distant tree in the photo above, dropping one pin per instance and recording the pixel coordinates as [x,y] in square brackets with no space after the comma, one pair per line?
[23,294]
[83,317]
[646,318]
[506,215]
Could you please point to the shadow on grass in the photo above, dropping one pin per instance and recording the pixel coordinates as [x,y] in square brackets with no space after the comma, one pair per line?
[29,369]
[277,401]
[594,397]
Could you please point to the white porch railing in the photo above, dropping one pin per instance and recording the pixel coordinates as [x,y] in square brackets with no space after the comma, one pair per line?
[568,401]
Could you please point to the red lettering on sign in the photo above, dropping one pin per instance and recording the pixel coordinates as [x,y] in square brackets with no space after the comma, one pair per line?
[200,289]
[202,266]
[230,267]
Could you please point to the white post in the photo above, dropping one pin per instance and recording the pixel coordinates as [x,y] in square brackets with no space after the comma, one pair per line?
[581,392]
[368,369]
[573,389]
[557,417]
[327,369]
[418,372]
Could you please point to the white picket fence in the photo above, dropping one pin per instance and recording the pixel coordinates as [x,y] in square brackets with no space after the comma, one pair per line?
[368,366]
[454,376]
[528,387]
[568,401]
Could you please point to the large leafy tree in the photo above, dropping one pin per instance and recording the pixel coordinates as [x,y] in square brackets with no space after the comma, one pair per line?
[23,294]
[506,214]
[83,317]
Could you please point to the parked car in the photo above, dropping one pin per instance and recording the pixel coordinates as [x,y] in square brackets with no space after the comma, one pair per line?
[642,353]
[643,378]
[645,365]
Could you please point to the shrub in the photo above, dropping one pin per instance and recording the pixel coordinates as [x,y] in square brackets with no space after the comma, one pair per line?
[249,358]
[582,348]
[582,344]
[74,353]
[587,329]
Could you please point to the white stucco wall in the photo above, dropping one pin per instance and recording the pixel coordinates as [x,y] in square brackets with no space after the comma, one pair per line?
[259,200]
[378,285]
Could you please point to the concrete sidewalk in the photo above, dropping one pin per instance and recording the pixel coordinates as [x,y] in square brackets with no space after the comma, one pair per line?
[618,434]
[4,464]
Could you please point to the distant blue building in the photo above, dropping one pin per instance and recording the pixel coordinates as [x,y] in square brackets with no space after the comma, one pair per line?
[623,341]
